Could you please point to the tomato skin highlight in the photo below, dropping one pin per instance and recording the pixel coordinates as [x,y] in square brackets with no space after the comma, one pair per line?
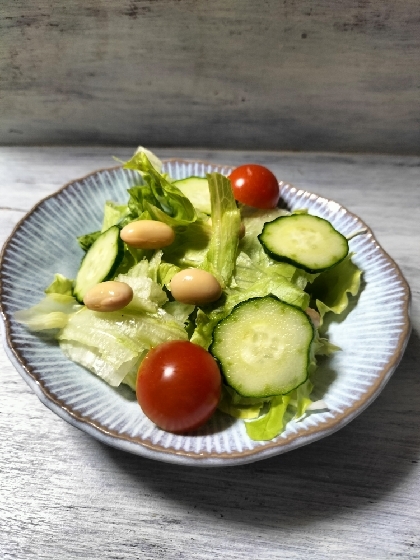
[178,386]
[255,185]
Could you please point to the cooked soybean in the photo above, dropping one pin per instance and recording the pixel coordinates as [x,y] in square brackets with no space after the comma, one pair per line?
[147,234]
[195,286]
[108,296]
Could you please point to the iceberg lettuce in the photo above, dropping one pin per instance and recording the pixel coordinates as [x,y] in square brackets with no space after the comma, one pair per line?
[226,221]
[331,289]
[52,312]
[191,245]
[113,344]
[60,285]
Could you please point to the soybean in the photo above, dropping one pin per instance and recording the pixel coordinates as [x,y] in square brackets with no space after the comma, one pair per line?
[147,234]
[108,296]
[195,286]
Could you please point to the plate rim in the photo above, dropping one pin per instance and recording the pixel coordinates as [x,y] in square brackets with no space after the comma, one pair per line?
[158,452]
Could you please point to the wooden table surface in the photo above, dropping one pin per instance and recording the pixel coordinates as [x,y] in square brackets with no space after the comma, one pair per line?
[355,494]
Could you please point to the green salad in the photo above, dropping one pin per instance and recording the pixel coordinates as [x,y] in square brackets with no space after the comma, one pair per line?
[187,260]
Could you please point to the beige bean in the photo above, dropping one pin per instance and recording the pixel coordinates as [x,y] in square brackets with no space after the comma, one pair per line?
[108,296]
[195,286]
[147,234]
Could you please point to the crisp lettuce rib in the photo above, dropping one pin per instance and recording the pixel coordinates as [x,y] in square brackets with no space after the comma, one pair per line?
[226,221]
[111,344]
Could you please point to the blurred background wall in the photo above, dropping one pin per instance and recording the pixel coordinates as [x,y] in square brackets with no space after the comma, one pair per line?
[324,75]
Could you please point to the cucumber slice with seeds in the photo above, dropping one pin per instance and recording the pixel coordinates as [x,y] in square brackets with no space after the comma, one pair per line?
[100,262]
[263,347]
[306,241]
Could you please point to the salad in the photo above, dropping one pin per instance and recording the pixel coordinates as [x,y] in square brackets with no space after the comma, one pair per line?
[202,294]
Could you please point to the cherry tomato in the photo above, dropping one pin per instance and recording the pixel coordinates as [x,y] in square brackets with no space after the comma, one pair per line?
[178,386]
[255,185]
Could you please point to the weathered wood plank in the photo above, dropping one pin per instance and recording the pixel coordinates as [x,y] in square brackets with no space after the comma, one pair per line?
[351,495]
[294,75]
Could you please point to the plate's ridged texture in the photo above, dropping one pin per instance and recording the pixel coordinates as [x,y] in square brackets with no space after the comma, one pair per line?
[372,337]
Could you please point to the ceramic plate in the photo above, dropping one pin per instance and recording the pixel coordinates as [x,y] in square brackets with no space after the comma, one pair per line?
[372,336]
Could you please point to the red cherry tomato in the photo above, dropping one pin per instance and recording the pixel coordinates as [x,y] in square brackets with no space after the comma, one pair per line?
[255,185]
[178,386]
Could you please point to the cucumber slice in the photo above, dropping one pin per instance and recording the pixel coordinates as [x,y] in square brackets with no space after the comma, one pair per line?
[263,347]
[100,262]
[305,241]
[196,189]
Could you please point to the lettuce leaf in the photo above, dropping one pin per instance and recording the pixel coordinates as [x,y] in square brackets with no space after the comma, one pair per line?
[282,409]
[143,279]
[271,424]
[300,399]
[276,279]
[204,325]
[60,285]
[277,286]
[254,220]
[52,312]
[248,271]
[85,241]
[148,295]
[265,419]
[226,220]
[237,406]
[166,272]
[154,160]
[190,246]
[323,347]
[161,199]
[130,378]
[125,371]
[331,289]
[113,214]
[181,311]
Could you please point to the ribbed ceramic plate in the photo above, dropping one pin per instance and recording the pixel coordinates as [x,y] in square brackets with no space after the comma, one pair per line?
[372,336]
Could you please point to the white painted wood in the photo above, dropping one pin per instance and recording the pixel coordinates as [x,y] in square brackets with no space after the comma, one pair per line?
[353,495]
[290,74]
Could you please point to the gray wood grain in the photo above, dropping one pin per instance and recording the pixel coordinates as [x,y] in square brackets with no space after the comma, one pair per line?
[353,495]
[294,75]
